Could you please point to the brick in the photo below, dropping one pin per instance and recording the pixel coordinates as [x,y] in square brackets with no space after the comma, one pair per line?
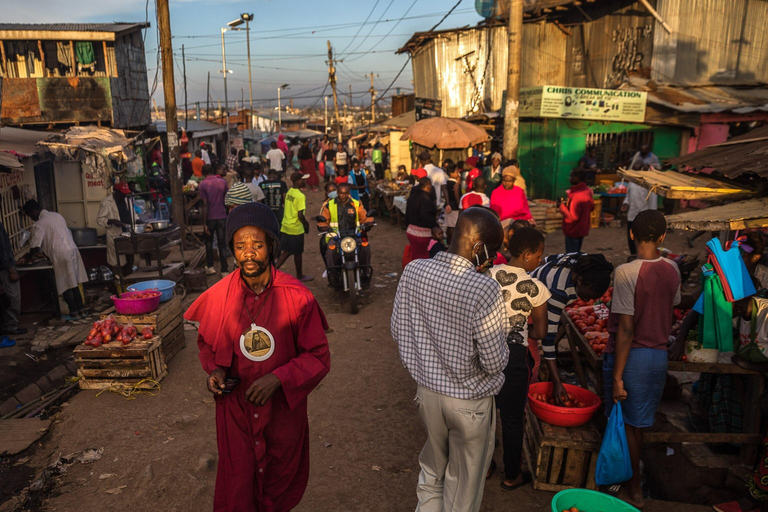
[28,394]
[44,384]
[58,374]
[9,405]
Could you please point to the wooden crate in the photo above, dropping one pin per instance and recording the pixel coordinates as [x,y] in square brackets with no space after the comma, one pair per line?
[167,321]
[114,363]
[560,458]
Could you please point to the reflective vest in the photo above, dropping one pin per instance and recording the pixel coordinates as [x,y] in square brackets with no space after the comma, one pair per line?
[334,210]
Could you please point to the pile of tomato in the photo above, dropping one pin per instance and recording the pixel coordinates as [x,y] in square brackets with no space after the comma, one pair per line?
[107,330]
[572,509]
[145,294]
[571,401]
[592,325]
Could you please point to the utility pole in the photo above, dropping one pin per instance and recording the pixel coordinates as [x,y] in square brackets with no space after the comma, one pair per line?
[373,98]
[332,80]
[184,69]
[248,18]
[226,96]
[514,57]
[171,122]
[326,115]
[208,99]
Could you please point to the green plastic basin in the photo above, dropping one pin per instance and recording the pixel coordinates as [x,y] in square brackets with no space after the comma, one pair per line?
[589,501]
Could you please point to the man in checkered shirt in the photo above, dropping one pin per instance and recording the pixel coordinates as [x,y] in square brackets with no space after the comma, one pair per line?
[232,159]
[450,325]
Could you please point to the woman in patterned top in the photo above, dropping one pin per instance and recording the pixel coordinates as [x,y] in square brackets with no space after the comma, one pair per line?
[525,298]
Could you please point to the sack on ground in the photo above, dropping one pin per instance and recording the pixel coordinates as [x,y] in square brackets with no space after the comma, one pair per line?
[613,463]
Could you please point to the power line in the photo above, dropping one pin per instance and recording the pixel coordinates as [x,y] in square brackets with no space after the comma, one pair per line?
[360,28]
[388,33]
[374,26]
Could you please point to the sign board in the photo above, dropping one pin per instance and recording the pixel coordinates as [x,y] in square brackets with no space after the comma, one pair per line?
[583,103]
[427,108]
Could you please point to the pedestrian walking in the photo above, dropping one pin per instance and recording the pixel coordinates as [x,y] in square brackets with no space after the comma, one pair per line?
[275,158]
[262,343]
[213,190]
[307,165]
[232,160]
[577,211]
[294,226]
[421,218]
[638,199]
[450,325]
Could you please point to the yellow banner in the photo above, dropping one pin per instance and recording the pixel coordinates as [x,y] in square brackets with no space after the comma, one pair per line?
[583,103]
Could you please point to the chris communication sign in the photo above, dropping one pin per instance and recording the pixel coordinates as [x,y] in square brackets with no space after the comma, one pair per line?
[583,103]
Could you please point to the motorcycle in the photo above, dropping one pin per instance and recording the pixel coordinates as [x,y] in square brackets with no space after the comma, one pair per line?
[346,245]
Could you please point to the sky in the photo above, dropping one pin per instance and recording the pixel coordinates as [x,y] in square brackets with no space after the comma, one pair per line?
[288,42]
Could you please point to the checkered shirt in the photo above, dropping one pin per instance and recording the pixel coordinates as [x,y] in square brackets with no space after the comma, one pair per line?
[450,325]
[231,162]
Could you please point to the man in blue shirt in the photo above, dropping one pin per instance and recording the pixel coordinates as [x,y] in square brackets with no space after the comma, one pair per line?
[358,182]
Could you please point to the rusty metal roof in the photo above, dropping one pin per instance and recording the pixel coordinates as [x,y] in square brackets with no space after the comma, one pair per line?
[711,99]
[744,154]
[74,27]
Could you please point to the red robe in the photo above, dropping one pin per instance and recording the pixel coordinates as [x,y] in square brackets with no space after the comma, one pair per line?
[263,451]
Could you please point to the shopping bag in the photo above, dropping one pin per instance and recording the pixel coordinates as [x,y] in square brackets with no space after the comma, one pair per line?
[613,463]
[729,265]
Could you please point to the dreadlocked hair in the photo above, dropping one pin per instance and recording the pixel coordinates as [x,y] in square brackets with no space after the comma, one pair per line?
[594,271]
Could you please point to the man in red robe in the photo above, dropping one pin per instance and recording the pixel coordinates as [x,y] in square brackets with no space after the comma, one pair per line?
[264,327]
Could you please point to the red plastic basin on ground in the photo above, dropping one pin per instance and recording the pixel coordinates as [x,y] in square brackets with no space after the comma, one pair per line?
[126,306]
[563,416]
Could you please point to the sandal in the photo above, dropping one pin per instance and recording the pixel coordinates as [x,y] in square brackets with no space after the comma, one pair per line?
[527,478]
[6,342]
[491,470]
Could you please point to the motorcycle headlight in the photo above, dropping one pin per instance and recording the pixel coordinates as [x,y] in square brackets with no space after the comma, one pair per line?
[348,244]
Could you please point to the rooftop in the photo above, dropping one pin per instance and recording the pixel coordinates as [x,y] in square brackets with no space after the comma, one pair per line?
[76,31]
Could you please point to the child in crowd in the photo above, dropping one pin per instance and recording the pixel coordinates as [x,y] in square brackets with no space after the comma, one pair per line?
[470,174]
[476,196]
[358,182]
[524,297]
[577,211]
[341,175]
[645,292]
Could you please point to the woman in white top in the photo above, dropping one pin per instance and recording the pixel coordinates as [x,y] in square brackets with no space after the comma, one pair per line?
[524,297]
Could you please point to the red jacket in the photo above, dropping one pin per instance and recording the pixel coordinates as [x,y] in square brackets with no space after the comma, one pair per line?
[576,212]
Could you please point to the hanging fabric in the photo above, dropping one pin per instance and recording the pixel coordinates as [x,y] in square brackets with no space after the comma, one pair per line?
[729,265]
[86,57]
[715,313]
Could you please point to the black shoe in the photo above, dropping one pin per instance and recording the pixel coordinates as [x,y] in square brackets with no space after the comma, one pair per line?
[18,332]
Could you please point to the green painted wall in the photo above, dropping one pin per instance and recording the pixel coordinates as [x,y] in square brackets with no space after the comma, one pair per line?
[550,148]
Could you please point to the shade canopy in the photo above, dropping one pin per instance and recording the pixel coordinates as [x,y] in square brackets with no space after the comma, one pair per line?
[444,133]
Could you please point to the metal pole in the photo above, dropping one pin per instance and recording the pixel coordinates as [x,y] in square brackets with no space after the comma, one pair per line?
[171,121]
[279,113]
[250,82]
[226,95]
[208,99]
[186,111]
[514,52]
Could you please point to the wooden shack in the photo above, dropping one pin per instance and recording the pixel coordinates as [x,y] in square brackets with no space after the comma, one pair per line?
[74,73]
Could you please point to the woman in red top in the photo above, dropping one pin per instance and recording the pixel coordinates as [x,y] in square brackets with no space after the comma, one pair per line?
[576,211]
[509,201]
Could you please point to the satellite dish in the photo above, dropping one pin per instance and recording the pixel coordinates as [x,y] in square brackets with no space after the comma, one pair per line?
[485,8]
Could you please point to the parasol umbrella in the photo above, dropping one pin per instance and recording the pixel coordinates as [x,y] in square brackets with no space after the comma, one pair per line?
[444,133]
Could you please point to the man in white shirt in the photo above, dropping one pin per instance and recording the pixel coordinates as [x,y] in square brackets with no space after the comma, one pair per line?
[439,180]
[51,235]
[637,200]
[275,158]
[645,158]
[204,153]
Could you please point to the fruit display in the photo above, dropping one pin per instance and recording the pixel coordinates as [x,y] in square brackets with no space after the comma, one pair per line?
[107,330]
[145,294]
[591,318]
[570,402]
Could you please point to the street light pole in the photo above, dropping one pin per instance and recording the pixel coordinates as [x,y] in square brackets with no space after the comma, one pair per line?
[248,18]
[226,94]
[279,108]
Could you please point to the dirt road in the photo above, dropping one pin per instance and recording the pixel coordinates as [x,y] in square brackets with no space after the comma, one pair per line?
[160,451]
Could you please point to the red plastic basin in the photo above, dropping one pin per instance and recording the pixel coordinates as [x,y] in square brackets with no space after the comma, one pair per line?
[563,416]
[126,306]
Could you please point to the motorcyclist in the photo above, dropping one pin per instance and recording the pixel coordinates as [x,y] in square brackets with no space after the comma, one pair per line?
[345,214]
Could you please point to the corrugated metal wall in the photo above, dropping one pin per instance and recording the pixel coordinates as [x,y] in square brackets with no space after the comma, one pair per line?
[712,41]
[472,74]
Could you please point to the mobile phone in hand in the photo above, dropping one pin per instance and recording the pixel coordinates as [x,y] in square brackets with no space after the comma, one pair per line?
[229,384]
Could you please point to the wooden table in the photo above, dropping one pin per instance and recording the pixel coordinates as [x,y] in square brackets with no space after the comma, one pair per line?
[387,196]
[150,244]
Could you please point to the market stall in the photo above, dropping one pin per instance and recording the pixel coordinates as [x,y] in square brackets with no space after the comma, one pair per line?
[730,217]
[383,198]
[676,185]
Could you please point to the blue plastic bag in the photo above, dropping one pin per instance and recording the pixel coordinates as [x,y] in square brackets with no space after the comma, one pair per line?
[613,463]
